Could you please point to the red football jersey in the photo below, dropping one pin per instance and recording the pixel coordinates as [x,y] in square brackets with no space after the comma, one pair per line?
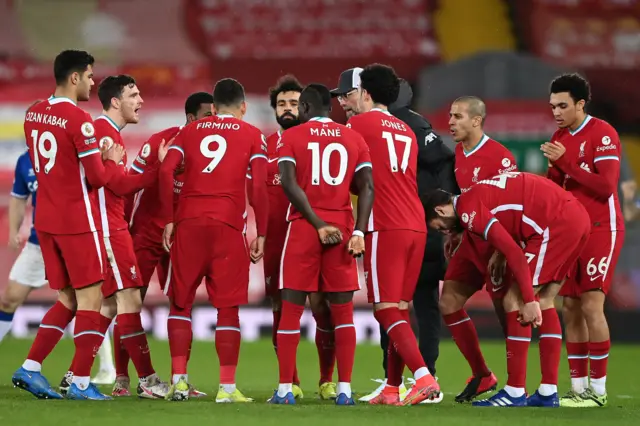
[278,202]
[593,148]
[145,214]
[217,151]
[327,155]
[394,155]
[59,135]
[489,158]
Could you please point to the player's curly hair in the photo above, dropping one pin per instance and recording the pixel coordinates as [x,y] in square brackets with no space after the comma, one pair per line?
[112,87]
[432,199]
[381,82]
[195,100]
[576,85]
[287,83]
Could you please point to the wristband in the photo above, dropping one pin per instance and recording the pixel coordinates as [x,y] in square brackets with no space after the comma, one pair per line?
[357,233]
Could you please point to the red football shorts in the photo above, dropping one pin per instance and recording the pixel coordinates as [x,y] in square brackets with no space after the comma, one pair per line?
[123,271]
[72,260]
[151,256]
[392,264]
[273,246]
[596,264]
[209,249]
[309,266]
[553,253]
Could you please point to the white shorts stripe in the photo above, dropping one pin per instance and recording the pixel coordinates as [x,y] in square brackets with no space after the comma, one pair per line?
[284,252]
[540,261]
[168,281]
[136,204]
[111,258]
[87,205]
[374,267]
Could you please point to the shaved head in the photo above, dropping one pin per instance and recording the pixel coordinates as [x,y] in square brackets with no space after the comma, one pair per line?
[475,106]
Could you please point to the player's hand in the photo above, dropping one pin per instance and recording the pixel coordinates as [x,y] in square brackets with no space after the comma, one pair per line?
[257,249]
[115,153]
[329,235]
[15,241]
[451,243]
[530,314]
[356,246]
[163,148]
[553,151]
[497,266]
[167,236]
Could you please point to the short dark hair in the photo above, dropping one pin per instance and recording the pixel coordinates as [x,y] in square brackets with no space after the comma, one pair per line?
[228,92]
[287,83]
[317,95]
[192,105]
[69,61]
[576,85]
[381,82]
[112,87]
[432,199]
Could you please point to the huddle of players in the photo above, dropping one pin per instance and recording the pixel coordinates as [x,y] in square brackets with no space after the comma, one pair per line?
[319,163]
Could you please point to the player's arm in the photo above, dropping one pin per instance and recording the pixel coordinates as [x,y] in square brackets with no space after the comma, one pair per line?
[555,174]
[123,184]
[17,207]
[257,194]
[363,184]
[295,194]
[172,161]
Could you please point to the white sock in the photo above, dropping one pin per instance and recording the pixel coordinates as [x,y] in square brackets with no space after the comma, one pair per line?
[579,384]
[547,390]
[229,388]
[32,366]
[176,378]
[514,392]
[599,386]
[5,325]
[420,373]
[81,382]
[345,388]
[105,354]
[284,389]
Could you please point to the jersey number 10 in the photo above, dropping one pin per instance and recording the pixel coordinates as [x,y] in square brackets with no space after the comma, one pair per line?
[40,146]
[320,163]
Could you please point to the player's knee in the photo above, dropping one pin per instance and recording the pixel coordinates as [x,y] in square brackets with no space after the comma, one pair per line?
[385,305]
[129,301]
[450,303]
[319,304]
[109,307]
[340,298]
[294,296]
[403,305]
[592,305]
[8,305]
[511,301]
[67,297]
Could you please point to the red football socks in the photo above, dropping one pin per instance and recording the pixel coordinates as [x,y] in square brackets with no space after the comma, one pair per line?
[550,346]
[274,340]
[578,356]
[228,343]
[401,336]
[599,358]
[87,339]
[518,341]
[288,339]
[134,339]
[464,334]
[180,335]
[120,354]
[395,366]
[50,332]
[345,339]
[325,343]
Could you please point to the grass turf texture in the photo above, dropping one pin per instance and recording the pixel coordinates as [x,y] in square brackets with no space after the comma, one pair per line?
[258,376]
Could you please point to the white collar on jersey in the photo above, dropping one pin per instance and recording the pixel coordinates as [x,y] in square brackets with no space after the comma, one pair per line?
[322,119]
[58,100]
[587,119]
[455,202]
[484,140]
[224,116]
[380,110]
[110,121]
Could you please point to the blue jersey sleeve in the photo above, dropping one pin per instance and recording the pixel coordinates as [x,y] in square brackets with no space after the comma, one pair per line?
[20,186]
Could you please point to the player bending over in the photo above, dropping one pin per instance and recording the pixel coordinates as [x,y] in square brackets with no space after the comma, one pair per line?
[396,233]
[319,161]
[146,226]
[553,227]
[66,157]
[209,242]
[584,157]
[121,100]
[284,100]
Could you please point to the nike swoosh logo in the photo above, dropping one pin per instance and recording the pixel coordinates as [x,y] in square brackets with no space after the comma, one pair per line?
[271,160]
[455,170]
[497,288]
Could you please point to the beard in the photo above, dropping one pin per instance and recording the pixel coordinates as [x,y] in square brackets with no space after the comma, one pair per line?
[287,120]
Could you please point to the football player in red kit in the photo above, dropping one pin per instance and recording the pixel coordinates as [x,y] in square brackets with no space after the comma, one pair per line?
[319,162]
[396,232]
[66,159]
[209,242]
[478,157]
[284,100]
[146,226]
[553,227]
[584,157]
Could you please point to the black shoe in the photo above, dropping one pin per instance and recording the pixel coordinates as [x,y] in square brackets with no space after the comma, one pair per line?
[65,383]
[476,386]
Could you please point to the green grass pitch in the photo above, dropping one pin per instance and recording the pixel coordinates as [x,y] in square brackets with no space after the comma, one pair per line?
[258,376]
